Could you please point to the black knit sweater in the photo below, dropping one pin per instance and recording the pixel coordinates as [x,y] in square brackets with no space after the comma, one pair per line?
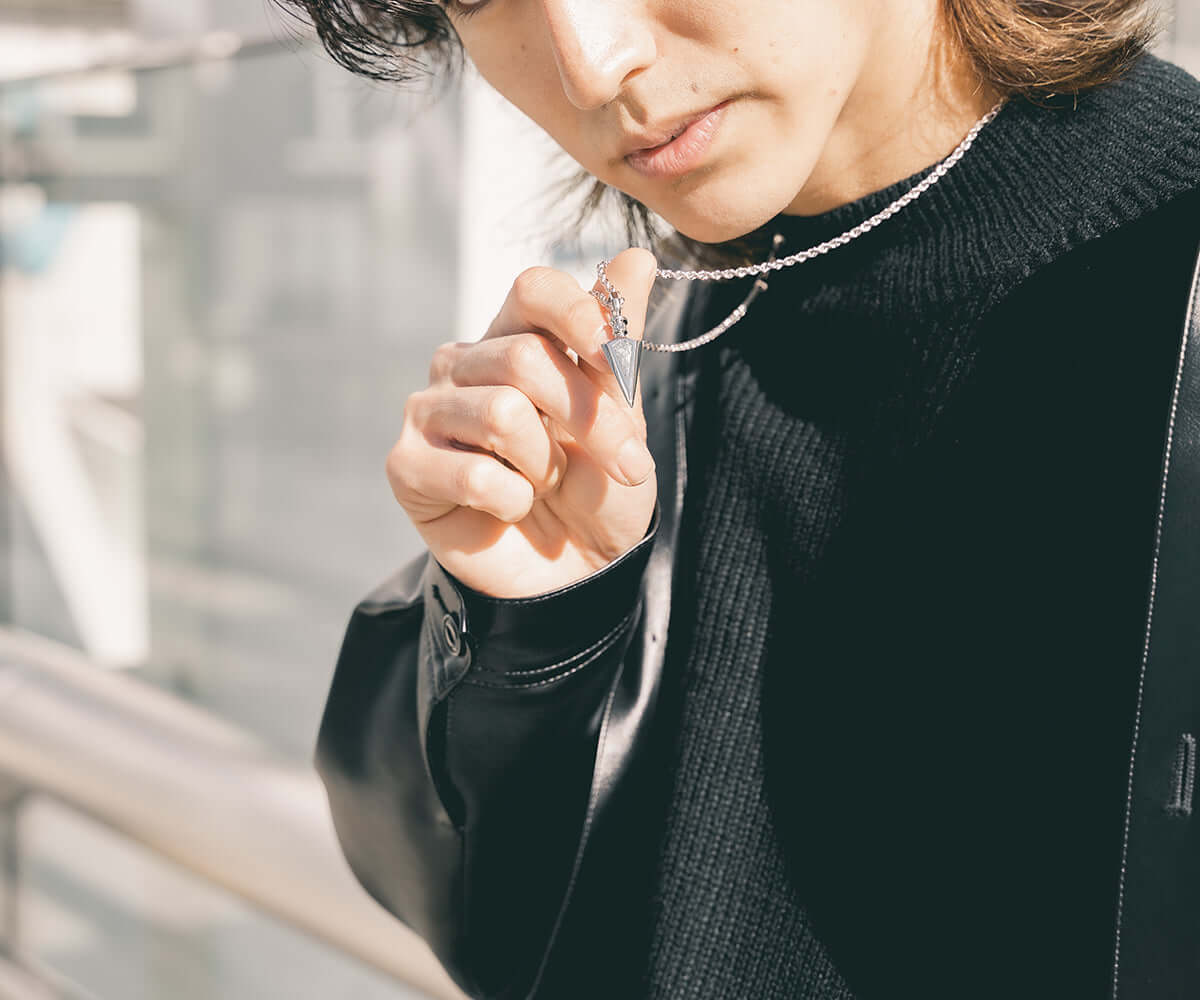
[893,736]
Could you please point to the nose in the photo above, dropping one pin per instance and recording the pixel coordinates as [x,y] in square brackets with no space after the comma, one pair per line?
[598,45]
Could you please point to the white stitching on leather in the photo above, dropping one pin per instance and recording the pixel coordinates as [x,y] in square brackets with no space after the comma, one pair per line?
[590,655]
[1183,776]
[1192,313]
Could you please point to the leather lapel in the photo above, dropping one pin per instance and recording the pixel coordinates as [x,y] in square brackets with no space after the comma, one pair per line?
[668,378]
[668,392]
[668,405]
[667,386]
[1158,918]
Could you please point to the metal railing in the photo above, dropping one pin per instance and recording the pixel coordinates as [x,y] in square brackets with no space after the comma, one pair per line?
[129,53]
[197,790]
[17,983]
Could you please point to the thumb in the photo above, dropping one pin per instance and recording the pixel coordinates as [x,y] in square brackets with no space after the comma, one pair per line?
[631,273]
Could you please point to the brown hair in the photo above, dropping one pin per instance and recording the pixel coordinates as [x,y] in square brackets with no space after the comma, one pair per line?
[1040,50]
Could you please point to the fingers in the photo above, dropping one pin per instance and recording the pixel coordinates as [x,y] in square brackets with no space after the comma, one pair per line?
[493,418]
[554,385]
[550,300]
[483,447]
[631,273]
[483,434]
[452,478]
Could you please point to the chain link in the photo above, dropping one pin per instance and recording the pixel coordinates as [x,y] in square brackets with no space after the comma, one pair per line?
[772,264]
[885,213]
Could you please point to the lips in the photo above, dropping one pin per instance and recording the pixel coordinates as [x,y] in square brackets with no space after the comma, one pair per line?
[665,133]
[683,154]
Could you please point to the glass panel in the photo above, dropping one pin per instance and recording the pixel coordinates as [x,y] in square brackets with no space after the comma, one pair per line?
[220,283]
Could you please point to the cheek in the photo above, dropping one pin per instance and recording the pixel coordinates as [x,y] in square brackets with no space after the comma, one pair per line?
[526,75]
[794,47]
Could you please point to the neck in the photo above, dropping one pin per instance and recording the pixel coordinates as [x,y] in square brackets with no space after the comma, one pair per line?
[901,117]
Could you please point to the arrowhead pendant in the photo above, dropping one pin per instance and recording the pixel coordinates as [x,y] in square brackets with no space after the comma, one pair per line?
[624,356]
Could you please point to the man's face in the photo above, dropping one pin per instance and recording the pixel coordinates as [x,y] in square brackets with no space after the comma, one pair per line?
[600,76]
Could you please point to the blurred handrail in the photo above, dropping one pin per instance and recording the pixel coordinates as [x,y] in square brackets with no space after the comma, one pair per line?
[17,983]
[129,52]
[197,790]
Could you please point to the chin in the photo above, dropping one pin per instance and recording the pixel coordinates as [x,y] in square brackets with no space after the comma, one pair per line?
[717,227]
[717,213]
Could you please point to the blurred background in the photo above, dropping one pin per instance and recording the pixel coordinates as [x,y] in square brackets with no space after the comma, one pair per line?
[224,264]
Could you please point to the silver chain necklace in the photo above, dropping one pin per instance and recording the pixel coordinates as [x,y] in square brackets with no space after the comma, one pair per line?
[624,354]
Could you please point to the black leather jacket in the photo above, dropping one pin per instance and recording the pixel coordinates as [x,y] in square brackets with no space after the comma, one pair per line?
[470,831]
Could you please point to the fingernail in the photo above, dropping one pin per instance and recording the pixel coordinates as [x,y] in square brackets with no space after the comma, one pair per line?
[635,461]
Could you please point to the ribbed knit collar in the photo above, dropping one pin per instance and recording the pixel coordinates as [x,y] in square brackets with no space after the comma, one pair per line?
[1036,182]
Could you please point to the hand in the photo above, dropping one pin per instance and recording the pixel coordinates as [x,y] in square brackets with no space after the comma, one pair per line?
[521,465]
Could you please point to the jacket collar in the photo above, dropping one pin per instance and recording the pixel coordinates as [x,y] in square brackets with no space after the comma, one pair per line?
[668,404]
[668,389]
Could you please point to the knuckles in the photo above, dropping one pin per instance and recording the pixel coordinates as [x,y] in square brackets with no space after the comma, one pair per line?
[584,315]
[471,481]
[394,467]
[444,357]
[524,354]
[531,284]
[506,412]
[416,412]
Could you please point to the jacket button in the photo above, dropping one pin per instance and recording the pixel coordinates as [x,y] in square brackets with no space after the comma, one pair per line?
[450,633]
